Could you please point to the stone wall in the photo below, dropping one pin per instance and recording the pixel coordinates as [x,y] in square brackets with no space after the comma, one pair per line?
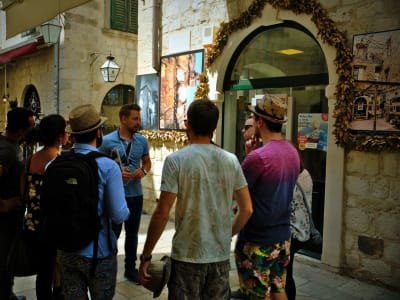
[372,217]
[88,41]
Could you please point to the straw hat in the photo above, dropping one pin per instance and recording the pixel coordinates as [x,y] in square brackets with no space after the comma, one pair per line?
[271,108]
[84,118]
[159,271]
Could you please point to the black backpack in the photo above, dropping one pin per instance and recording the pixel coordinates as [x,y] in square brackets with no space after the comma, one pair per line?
[69,202]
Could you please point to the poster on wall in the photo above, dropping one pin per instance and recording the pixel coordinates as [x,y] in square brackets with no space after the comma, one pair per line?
[312,131]
[147,97]
[178,83]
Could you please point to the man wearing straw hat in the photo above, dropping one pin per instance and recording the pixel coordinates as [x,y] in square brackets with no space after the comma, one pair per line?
[203,178]
[85,123]
[262,250]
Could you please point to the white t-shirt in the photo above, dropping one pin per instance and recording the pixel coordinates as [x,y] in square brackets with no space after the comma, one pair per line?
[204,178]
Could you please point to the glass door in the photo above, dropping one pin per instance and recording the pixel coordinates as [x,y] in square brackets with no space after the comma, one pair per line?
[306,106]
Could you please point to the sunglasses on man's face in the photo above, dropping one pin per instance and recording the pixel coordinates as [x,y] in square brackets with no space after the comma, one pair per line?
[246,127]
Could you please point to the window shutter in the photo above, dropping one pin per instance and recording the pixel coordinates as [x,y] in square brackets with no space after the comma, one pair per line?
[133,17]
[124,15]
[118,12]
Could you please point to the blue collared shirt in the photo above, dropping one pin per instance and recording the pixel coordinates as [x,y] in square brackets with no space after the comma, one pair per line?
[111,195]
[139,148]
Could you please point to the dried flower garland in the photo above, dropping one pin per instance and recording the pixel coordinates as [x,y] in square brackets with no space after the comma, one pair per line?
[330,35]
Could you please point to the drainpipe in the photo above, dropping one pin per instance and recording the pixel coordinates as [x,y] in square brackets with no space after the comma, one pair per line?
[157,42]
[57,76]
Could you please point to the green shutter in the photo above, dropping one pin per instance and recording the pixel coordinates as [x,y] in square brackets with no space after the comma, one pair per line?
[118,14]
[124,15]
[133,17]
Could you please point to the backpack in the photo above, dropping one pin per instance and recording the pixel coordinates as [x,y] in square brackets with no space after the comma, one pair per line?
[69,202]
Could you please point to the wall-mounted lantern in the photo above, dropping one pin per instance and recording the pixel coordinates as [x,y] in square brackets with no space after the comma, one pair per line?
[50,32]
[110,69]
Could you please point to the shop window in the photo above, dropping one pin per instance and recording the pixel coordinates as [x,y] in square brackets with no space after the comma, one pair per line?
[124,15]
[282,55]
[119,95]
[115,98]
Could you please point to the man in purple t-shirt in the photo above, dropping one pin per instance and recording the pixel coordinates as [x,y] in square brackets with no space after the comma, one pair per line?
[263,247]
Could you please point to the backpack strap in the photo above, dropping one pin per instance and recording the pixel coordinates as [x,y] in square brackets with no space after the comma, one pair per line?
[94,155]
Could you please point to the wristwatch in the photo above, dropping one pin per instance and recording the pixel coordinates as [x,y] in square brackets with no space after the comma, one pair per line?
[144,259]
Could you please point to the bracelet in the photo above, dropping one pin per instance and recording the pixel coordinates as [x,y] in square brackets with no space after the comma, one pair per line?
[144,172]
[144,259]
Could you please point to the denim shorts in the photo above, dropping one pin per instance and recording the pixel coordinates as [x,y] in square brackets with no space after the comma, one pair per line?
[190,281]
[77,278]
[262,269]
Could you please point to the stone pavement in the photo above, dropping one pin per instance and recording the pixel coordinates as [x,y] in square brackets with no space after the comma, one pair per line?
[313,280]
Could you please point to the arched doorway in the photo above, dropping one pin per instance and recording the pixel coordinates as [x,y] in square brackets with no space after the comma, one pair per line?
[284,60]
[113,100]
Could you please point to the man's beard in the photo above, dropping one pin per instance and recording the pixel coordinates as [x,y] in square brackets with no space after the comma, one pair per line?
[133,130]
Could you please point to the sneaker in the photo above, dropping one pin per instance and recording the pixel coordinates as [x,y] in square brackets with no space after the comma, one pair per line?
[239,295]
[132,276]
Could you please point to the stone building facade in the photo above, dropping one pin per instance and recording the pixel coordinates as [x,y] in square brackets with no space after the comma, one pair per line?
[361,216]
[361,220]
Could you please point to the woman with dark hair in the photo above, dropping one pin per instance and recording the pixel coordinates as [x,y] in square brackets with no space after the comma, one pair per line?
[52,136]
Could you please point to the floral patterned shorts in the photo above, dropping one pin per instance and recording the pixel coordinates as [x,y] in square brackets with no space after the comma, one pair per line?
[262,270]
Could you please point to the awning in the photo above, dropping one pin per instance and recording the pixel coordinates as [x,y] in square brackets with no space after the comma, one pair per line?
[12,53]
[23,15]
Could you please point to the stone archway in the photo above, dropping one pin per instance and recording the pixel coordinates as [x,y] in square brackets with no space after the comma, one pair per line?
[333,221]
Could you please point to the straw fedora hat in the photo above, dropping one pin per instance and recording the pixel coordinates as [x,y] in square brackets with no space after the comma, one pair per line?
[159,271]
[271,108]
[84,118]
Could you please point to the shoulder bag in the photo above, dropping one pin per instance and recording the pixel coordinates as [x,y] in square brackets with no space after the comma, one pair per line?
[315,239]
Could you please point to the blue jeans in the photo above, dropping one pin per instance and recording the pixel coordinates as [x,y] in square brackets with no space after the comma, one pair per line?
[135,205]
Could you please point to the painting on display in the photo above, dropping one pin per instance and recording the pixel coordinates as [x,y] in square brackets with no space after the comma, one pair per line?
[178,83]
[376,71]
[147,97]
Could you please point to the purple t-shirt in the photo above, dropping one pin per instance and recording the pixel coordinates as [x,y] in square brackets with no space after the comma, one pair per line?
[271,172]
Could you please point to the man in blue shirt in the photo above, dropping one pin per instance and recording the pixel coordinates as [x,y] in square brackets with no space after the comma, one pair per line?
[133,151]
[85,124]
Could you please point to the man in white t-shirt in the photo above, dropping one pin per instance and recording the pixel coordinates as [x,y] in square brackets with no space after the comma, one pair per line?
[203,178]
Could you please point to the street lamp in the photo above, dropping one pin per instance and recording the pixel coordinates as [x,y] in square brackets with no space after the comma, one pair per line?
[50,32]
[109,70]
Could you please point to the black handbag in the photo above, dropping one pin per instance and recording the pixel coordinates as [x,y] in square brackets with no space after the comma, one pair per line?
[315,239]
[22,259]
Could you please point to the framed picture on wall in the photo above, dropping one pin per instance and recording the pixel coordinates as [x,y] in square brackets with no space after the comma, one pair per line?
[376,108]
[376,57]
[148,98]
[376,71]
[178,83]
